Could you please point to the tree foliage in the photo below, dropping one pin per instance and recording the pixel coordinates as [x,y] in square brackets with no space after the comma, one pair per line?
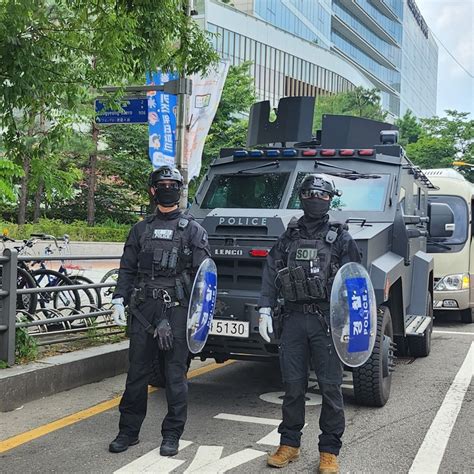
[55,55]
[409,128]
[442,140]
[359,102]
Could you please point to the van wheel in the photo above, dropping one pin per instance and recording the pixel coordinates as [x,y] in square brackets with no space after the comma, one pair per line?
[372,381]
[420,346]
[157,376]
[466,316]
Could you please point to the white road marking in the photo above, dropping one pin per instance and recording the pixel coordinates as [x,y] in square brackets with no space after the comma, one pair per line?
[248,419]
[453,332]
[229,462]
[277,398]
[272,438]
[153,462]
[204,455]
[430,454]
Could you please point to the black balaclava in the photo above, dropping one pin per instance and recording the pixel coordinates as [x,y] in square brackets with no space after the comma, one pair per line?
[167,197]
[315,208]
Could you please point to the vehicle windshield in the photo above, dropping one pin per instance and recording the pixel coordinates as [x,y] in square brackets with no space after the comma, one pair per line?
[258,191]
[357,195]
[461,221]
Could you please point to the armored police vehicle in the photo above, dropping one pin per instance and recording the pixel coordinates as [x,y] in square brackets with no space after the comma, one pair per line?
[249,196]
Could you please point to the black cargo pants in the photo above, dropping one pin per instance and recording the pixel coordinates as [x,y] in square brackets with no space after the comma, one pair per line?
[304,335]
[143,349]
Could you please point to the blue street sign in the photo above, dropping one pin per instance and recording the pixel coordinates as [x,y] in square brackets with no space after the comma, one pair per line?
[134,111]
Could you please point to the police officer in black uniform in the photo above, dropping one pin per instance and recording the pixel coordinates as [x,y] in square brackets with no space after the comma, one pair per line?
[157,268]
[300,269]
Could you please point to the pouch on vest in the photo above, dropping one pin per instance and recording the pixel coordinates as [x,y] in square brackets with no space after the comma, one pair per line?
[299,277]
[286,285]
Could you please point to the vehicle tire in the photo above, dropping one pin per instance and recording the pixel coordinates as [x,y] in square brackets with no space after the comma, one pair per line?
[420,346]
[157,376]
[47,300]
[371,387]
[466,316]
[27,303]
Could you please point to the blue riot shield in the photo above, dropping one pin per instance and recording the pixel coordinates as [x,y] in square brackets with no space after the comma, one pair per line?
[353,314]
[201,305]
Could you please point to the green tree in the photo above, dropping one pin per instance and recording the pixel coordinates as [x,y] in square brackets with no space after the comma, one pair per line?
[444,140]
[409,128]
[8,172]
[54,55]
[359,102]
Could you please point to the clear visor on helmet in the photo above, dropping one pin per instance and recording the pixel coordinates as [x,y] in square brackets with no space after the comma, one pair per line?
[312,193]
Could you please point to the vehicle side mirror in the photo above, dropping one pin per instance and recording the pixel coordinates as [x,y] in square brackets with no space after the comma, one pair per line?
[441,222]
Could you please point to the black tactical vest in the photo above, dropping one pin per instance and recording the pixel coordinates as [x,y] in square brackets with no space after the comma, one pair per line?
[309,270]
[164,253]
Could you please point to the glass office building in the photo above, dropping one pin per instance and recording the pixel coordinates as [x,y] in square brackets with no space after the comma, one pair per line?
[387,40]
[283,64]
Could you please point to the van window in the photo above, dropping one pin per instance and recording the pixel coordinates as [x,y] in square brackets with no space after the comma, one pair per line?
[357,195]
[461,222]
[257,191]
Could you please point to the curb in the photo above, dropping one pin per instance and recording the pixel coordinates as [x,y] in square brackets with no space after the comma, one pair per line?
[22,384]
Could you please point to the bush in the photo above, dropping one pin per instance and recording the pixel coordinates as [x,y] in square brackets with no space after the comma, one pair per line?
[77,230]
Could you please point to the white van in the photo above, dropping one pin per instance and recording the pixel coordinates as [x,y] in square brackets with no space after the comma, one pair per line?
[453,252]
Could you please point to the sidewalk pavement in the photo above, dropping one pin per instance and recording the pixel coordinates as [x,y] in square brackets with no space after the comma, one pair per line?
[23,383]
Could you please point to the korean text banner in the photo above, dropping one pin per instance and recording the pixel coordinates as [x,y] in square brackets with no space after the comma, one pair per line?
[202,109]
[162,110]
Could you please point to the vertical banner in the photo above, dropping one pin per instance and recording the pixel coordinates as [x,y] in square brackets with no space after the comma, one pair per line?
[202,109]
[162,111]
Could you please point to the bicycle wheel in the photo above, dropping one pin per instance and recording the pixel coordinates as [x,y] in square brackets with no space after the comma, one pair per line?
[110,277]
[29,302]
[65,299]
[89,296]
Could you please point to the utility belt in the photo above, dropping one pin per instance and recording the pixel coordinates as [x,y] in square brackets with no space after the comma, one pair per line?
[311,308]
[307,308]
[145,292]
[139,295]
[180,294]
[295,285]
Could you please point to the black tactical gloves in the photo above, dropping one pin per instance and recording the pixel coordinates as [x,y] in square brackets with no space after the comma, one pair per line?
[164,335]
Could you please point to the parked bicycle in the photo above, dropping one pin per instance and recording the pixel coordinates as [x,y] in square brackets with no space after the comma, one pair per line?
[25,303]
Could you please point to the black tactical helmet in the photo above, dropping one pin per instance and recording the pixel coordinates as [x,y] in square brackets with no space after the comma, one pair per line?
[318,182]
[165,172]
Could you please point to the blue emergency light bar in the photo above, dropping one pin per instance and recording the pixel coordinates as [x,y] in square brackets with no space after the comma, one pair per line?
[309,152]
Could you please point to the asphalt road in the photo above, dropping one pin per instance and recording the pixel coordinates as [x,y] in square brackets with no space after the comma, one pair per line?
[427,425]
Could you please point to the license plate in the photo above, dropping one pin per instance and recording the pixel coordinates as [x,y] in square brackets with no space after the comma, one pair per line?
[223,327]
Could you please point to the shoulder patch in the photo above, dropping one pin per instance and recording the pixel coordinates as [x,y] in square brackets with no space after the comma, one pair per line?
[183,223]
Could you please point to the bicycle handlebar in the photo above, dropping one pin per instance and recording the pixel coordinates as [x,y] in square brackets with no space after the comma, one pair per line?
[7,239]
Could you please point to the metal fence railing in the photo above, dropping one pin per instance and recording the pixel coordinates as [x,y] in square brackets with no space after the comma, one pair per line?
[51,311]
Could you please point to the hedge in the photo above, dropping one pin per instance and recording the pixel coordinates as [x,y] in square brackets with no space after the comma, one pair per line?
[77,230]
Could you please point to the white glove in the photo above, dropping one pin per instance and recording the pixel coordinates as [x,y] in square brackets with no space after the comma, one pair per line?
[265,323]
[119,312]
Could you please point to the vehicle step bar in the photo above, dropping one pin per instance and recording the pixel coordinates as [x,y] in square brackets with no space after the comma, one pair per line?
[417,324]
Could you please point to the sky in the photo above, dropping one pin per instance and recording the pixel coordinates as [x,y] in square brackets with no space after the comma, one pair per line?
[452,22]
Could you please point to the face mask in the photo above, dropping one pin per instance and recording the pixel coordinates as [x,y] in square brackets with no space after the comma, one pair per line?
[166,196]
[315,208]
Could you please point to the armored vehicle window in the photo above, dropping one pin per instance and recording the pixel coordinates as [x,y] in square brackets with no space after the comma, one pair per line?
[461,221]
[258,191]
[357,195]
